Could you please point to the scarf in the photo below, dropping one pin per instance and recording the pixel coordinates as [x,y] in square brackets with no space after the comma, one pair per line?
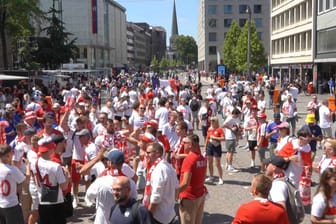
[148,187]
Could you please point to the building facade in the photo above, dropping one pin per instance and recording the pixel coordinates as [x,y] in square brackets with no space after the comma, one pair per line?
[100,29]
[214,21]
[325,54]
[292,38]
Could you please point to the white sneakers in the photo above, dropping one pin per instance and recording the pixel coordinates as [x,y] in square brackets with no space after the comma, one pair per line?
[220,182]
[232,169]
[209,179]
[75,202]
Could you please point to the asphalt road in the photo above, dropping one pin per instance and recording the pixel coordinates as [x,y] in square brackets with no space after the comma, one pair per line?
[224,199]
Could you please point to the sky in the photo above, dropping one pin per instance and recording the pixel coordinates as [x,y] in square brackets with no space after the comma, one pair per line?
[159,13]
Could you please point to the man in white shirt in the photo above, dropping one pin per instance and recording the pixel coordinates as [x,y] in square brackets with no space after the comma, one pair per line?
[185,109]
[162,185]
[162,113]
[325,119]
[289,109]
[232,134]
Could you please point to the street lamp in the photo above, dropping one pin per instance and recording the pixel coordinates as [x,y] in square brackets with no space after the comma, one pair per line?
[248,10]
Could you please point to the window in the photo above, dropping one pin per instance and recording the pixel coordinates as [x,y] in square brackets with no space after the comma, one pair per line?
[212,23]
[258,22]
[227,22]
[212,50]
[320,6]
[212,36]
[225,33]
[257,9]
[327,5]
[259,34]
[227,9]
[242,9]
[212,9]
[242,22]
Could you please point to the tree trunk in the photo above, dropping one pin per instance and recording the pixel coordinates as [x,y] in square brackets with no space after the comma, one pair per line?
[3,38]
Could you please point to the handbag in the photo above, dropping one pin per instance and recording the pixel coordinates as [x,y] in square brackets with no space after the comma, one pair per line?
[48,193]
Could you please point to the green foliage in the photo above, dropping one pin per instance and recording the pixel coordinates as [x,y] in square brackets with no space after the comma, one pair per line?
[230,42]
[235,49]
[16,18]
[164,63]
[155,63]
[186,49]
[58,48]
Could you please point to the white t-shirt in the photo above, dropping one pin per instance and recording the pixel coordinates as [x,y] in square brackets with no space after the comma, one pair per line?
[324,112]
[289,109]
[99,129]
[279,191]
[252,133]
[162,116]
[231,122]
[10,177]
[51,174]
[294,170]
[109,111]
[170,132]
[203,110]
[137,121]
[91,151]
[318,207]
[186,111]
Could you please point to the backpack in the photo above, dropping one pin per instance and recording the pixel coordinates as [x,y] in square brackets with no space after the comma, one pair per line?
[194,105]
[294,206]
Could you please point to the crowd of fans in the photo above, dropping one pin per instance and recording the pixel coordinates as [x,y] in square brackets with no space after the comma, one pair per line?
[141,144]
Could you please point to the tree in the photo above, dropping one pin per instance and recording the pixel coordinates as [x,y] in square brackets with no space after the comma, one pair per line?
[16,17]
[186,49]
[58,48]
[164,63]
[258,58]
[230,42]
[155,63]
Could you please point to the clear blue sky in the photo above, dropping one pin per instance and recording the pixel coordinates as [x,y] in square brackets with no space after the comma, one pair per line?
[159,13]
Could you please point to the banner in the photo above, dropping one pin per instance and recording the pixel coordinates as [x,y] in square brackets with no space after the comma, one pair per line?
[94,16]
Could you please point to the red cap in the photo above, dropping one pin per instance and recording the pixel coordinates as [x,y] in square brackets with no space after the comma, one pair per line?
[152,123]
[148,138]
[46,147]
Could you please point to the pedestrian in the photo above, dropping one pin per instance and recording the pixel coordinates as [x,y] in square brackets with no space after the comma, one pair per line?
[289,109]
[323,208]
[213,149]
[11,179]
[232,134]
[251,212]
[325,116]
[262,141]
[331,84]
[251,127]
[204,115]
[124,210]
[192,190]
[272,132]
[51,180]
[315,131]
[159,195]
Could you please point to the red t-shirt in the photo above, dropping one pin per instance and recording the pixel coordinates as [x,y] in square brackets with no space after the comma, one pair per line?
[196,164]
[211,131]
[251,213]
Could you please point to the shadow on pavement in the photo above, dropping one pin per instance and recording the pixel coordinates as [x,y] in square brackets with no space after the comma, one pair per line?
[215,218]
[235,182]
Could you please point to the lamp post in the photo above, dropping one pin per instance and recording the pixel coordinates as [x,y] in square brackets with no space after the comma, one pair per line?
[248,10]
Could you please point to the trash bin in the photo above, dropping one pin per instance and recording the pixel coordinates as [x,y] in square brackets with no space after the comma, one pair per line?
[320,89]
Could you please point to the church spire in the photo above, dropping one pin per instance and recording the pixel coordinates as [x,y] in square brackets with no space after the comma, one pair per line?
[174,31]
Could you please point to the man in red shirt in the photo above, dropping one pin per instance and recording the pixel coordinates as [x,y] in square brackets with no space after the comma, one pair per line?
[251,211]
[192,190]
